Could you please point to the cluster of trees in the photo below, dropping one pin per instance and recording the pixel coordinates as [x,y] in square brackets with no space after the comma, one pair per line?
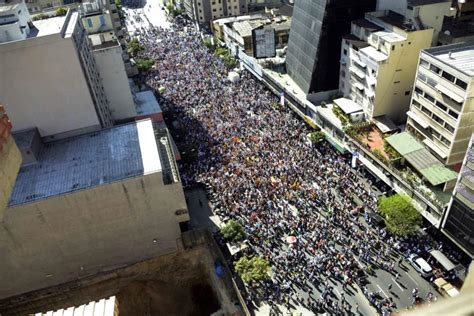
[233,232]
[400,215]
[224,53]
[252,269]
[134,48]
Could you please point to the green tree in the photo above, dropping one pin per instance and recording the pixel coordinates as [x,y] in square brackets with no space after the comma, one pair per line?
[317,137]
[233,231]
[134,47]
[252,268]
[144,64]
[61,11]
[401,217]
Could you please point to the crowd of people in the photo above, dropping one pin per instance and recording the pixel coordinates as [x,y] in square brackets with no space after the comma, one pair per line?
[264,172]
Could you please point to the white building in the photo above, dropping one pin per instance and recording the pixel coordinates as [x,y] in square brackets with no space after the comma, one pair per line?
[14,21]
[378,63]
[49,79]
[204,11]
[108,55]
[442,108]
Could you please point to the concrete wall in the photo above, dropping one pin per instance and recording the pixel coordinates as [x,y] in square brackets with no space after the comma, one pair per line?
[396,76]
[44,86]
[115,81]
[10,161]
[71,236]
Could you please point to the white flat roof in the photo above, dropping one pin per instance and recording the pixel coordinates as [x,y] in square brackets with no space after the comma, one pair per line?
[348,106]
[148,147]
[390,37]
[373,53]
[459,56]
[49,26]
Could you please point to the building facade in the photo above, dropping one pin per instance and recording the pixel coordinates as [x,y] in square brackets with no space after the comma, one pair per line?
[314,46]
[55,70]
[442,106]
[458,224]
[204,11]
[91,203]
[378,63]
[10,160]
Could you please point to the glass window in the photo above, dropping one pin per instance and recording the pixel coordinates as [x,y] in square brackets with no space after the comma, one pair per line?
[435,69]
[416,103]
[448,76]
[435,133]
[438,119]
[424,63]
[407,92]
[453,114]
[429,98]
[426,111]
[441,106]
[444,140]
[449,128]
[461,84]
[89,22]
[418,90]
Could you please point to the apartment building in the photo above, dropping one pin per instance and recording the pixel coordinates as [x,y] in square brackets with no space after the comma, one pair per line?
[89,204]
[458,223]
[314,45]
[48,68]
[442,106]
[100,16]
[204,11]
[378,63]
[10,160]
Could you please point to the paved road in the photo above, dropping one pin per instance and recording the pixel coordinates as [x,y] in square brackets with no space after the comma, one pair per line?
[153,15]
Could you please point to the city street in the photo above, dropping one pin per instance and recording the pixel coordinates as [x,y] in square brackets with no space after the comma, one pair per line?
[321,220]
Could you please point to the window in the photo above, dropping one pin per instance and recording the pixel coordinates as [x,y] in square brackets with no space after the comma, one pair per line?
[418,90]
[448,76]
[426,111]
[393,47]
[444,140]
[343,74]
[407,92]
[416,104]
[424,63]
[435,133]
[438,119]
[214,10]
[435,69]
[345,52]
[89,22]
[342,84]
[461,84]
[453,114]
[449,128]
[441,106]
[397,82]
[398,70]
[429,98]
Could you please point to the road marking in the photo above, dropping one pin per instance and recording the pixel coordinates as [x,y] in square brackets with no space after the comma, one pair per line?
[337,293]
[398,285]
[412,279]
[382,290]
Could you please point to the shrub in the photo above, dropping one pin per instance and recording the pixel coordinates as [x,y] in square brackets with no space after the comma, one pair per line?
[144,64]
[134,47]
[61,11]
[252,268]
[233,231]
[379,155]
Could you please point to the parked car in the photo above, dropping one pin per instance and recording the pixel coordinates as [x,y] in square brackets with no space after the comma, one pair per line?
[420,265]
[445,288]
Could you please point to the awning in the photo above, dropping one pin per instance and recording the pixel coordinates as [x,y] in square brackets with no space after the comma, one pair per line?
[371,80]
[449,93]
[435,148]
[418,119]
[369,93]
[360,63]
[359,73]
[359,85]
[443,260]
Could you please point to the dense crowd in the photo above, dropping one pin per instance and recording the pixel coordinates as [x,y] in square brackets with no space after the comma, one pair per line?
[264,172]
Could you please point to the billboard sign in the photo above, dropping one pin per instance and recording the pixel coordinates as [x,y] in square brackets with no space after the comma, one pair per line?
[264,43]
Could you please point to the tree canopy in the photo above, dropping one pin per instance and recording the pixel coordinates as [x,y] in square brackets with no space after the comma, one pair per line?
[401,217]
[134,47]
[252,268]
[233,231]
[144,65]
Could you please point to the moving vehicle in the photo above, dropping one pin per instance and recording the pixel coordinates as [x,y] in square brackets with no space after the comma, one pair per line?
[420,265]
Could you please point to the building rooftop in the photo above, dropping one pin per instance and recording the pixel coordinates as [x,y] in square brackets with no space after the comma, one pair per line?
[374,54]
[417,3]
[9,5]
[348,106]
[47,26]
[391,18]
[146,103]
[103,307]
[89,160]
[367,25]
[459,56]
[103,40]
[421,159]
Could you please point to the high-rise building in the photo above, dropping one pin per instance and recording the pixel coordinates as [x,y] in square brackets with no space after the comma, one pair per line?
[204,11]
[378,63]
[458,223]
[49,76]
[442,106]
[314,46]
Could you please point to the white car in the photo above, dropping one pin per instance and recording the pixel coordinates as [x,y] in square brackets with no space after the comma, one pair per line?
[420,265]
